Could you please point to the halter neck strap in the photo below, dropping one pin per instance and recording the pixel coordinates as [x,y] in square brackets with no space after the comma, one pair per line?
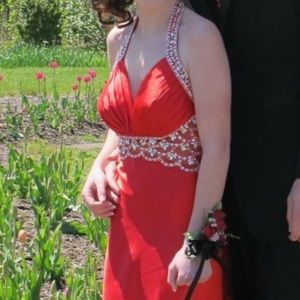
[172,55]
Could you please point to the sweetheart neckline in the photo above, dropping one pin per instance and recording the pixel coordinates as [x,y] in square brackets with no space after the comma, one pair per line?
[144,79]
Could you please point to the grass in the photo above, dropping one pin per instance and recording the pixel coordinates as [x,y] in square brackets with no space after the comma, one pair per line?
[88,138]
[37,147]
[22,55]
[21,80]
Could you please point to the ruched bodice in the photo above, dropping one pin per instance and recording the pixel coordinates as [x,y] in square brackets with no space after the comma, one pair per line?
[159,107]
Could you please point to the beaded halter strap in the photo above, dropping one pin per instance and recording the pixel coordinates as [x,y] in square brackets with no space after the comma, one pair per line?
[172,55]
[181,148]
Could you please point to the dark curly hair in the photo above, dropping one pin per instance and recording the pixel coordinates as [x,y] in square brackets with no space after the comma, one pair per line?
[113,12]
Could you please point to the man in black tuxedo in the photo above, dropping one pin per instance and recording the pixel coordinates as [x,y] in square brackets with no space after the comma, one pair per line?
[262,197]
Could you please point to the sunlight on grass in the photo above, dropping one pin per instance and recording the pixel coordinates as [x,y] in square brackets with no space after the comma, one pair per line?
[90,139]
[23,55]
[37,147]
[18,81]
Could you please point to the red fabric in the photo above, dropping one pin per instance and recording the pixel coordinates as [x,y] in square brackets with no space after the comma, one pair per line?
[160,106]
[156,201]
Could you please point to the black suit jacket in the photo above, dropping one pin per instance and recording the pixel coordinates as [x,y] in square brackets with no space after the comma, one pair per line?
[262,38]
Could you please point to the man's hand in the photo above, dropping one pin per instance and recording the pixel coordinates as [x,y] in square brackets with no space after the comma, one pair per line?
[293,212]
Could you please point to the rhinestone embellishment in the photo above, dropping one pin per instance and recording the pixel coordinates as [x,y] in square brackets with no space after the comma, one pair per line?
[172,55]
[126,40]
[181,148]
[172,48]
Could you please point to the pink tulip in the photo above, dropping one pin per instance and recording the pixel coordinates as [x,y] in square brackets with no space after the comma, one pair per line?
[75,87]
[53,64]
[39,76]
[78,78]
[92,73]
[66,292]
[22,236]
[87,78]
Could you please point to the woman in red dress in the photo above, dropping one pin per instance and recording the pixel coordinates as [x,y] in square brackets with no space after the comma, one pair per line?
[167,106]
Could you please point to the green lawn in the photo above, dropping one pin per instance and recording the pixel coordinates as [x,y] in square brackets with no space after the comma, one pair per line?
[24,55]
[38,147]
[22,81]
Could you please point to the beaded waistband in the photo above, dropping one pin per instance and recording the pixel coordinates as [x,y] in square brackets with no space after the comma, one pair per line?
[181,148]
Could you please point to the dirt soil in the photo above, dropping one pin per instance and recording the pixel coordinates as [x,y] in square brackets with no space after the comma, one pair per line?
[74,247]
[69,137]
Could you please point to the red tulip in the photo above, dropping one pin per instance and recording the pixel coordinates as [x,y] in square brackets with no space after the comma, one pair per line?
[87,78]
[75,87]
[22,236]
[92,73]
[66,292]
[39,76]
[79,78]
[53,64]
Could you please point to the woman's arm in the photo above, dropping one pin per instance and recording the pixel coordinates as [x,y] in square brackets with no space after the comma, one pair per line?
[100,191]
[210,76]
[109,146]
[111,142]
[209,72]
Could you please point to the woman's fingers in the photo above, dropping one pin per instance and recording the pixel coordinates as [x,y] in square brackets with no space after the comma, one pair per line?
[99,209]
[100,184]
[95,195]
[207,272]
[107,215]
[183,279]
[111,177]
[103,212]
[172,275]
[183,274]
[88,199]
[111,195]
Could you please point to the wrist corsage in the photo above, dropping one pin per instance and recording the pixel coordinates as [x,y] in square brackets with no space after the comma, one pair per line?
[211,238]
[207,244]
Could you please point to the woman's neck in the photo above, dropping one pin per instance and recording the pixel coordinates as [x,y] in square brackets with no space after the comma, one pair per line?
[153,15]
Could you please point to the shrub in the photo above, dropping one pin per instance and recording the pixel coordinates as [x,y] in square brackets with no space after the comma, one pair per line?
[80,25]
[40,21]
[8,30]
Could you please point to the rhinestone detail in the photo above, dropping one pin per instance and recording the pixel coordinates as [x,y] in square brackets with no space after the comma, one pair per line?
[181,148]
[172,55]
[128,31]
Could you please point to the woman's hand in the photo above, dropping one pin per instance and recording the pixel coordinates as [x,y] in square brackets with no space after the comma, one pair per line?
[182,270]
[100,191]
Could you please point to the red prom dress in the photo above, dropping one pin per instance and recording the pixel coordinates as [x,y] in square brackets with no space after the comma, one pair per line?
[159,157]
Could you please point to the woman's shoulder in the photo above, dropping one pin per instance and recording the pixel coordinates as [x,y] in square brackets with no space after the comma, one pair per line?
[114,41]
[198,31]
[115,36]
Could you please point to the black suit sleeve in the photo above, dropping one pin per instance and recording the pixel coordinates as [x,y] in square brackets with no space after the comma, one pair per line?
[298,165]
[298,158]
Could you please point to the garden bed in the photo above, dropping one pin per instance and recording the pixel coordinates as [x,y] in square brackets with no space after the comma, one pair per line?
[83,142]
[71,136]
[74,247]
